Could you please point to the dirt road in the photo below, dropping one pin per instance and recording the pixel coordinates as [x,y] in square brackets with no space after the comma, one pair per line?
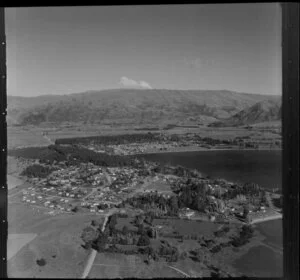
[93,253]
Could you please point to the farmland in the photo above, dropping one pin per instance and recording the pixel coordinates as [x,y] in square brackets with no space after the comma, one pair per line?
[56,241]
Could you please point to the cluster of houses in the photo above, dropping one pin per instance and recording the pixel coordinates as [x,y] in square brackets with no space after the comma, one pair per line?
[87,186]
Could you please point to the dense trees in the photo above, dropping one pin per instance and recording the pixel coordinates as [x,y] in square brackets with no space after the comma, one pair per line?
[170,253]
[245,234]
[152,202]
[88,236]
[111,139]
[101,241]
[143,240]
[37,171]
[73,155]
[125,230]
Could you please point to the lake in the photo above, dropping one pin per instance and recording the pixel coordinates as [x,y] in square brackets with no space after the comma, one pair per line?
[261,167]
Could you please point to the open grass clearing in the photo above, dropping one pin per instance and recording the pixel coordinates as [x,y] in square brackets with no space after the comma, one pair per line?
[57,241]
[24,137]
[109,265]
[187,227]
[159,186]
[16,242]
[13,181]
[121,222]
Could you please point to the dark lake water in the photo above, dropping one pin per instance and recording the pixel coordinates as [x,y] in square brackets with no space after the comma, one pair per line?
[261,261]
[261,167]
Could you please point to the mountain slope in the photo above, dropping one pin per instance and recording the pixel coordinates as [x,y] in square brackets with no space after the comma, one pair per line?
[264,111]
[132,106]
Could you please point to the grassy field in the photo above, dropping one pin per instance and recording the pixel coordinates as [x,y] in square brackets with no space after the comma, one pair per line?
[121,222]
[12,182]
[16,242]
[109,265]
[187,227]
[57,241]
[25,136]
[160,186]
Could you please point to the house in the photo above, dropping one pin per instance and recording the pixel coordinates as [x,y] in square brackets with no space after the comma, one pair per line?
[189,214]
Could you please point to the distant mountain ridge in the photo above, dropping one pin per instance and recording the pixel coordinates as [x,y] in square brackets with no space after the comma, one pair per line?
[264,111]
[134,106]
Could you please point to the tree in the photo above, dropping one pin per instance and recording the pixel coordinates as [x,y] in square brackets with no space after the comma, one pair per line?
[174,204]
[88,234]
[245,212]
[141,229]
[149,219]
[101,241]
[112,222]
[143,240]
[95,223]
[75,209]
[41,262]
[139,220]
[125,230]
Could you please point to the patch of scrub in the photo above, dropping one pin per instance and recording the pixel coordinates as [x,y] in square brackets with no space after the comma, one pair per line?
[16,242]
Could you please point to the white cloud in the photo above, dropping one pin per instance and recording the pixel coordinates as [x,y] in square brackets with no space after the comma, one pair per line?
[126,82]
[145,84]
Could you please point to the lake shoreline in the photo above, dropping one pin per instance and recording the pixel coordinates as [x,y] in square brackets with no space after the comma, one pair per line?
[199,149]
[266,219]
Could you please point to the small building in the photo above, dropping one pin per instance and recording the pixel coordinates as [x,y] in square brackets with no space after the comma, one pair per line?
[212,218]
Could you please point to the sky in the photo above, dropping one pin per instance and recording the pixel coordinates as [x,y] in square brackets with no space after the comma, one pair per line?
[62,50]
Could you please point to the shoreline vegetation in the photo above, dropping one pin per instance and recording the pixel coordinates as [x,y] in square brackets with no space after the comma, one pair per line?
[201,149]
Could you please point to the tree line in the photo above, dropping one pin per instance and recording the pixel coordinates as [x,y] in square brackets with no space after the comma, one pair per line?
[111,139]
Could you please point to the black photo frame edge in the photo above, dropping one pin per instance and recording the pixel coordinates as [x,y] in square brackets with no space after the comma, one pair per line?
[290,134]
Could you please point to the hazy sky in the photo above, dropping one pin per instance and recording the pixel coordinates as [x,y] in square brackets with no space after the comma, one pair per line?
[73,49]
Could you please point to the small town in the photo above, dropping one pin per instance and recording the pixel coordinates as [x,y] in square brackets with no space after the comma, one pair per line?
[87,187]
[163,143]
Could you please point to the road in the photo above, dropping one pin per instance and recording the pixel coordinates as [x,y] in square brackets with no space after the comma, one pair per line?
[178,270]
[93,253]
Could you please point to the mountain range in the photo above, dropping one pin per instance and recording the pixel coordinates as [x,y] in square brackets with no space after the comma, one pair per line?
[146,106]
